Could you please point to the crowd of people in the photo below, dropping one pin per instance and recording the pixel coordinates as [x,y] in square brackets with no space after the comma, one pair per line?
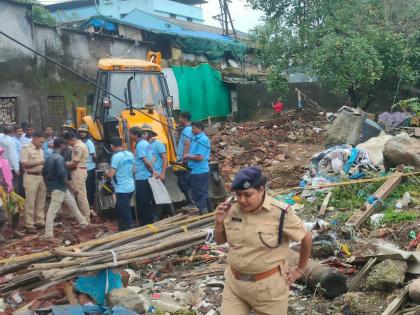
[34,164]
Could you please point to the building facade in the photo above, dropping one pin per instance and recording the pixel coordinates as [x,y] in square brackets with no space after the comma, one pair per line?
[73,11]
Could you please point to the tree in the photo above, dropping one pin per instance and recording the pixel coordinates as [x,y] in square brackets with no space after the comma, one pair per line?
[42,15]
[356,47]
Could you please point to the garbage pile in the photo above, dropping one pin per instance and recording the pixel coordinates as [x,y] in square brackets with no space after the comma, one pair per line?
[360,198]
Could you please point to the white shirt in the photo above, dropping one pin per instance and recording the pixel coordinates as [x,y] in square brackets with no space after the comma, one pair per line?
[9,145]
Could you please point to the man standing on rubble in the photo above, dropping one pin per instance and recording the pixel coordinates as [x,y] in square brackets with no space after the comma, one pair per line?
[160,164]
[9,145]
[121,171]
[77,165]
[144,170]
[32,159]
[198,161]
[55,176]
[258,229]
[183,176]
[91,166]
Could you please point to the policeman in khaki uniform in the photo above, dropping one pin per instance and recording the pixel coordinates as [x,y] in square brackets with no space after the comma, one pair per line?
[32,159]
[77,165]
[258,229]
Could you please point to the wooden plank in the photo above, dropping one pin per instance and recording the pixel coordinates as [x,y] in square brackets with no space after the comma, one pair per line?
[379,258]
[71,296]
[354,284]
[396,303]
[324,205]
[357,219]
[411,311]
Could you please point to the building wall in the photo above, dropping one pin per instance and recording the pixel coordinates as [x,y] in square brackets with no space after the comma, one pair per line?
[119,8]
[38,88]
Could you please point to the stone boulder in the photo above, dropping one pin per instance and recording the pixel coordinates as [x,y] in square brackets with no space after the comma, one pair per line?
[387,275]
[402,149]
[129,299]
[346,128]
[368,302]
[414,290]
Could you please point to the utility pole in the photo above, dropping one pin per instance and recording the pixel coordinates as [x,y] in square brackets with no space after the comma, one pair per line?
[225,18]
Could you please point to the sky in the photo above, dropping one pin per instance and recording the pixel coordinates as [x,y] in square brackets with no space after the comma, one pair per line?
[244,18]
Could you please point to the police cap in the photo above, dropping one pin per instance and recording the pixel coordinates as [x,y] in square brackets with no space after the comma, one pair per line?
[247,177]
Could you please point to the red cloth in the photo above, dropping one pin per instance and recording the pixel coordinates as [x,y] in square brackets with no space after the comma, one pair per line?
[278,107]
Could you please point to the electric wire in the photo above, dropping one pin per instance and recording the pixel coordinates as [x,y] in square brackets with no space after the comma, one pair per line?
[96,85]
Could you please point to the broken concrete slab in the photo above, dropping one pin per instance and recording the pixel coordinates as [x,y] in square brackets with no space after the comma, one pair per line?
[130,300]
[387,275]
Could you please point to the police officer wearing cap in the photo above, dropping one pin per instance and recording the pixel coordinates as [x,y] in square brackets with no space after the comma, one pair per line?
[258,229]
[91,166]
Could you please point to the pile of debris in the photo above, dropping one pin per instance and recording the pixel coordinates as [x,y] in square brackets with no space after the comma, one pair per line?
[281,146]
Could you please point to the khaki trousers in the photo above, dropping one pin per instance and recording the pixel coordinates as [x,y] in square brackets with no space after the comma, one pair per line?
[268,296]
[78,179]
[35,193]
[59,197]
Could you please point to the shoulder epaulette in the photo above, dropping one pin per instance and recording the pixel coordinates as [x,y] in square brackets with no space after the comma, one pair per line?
[281,205]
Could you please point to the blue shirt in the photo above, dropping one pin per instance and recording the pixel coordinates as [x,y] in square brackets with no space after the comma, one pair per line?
[143,150]
[90,165]
[47,150]
[18,145]
[158,148]
[200,146]
[123,180]
[186,134]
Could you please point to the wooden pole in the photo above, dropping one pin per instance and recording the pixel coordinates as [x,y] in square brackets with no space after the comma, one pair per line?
[357,219]
[331,281]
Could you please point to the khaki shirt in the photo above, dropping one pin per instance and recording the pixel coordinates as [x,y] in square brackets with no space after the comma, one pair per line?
[31,153]
[80,154]
[247,253]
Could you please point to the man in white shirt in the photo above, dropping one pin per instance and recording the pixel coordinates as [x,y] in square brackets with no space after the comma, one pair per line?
[8,143]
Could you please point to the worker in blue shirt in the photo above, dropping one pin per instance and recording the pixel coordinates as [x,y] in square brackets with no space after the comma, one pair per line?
[183,177]
[160,164]
[91,166]
[122,173]
[49,140]
[198,161]
[144,170]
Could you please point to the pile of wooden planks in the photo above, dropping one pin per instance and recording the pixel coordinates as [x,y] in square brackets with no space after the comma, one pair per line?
[41,270]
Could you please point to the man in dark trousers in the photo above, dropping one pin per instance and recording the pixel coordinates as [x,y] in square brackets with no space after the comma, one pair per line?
[121,172]
[55,177]
[144,170]
[184,143]
[198,161]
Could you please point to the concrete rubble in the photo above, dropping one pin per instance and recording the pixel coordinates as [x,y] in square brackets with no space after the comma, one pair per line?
[188,277]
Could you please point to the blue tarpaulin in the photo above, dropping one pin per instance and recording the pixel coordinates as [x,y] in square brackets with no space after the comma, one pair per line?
[99,285]
[97,22]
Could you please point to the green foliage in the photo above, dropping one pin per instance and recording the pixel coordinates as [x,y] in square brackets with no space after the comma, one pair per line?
[42,15]
[409,105]
[354,47]
[393,216]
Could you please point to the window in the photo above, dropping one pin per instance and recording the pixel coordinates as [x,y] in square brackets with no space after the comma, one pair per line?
[145,90]
[172,15]
[8,106]
[189,19]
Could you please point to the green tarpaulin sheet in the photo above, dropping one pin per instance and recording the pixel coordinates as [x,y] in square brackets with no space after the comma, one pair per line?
[202,92]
